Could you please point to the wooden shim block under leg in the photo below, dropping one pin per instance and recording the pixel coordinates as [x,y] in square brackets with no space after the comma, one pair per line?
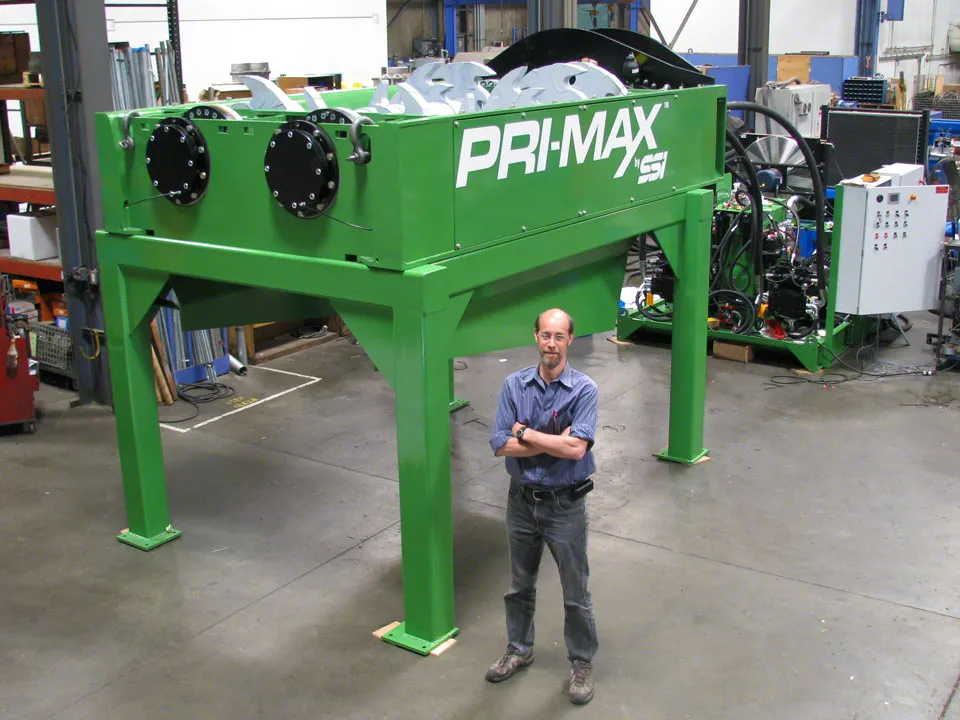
[378,634]
[440,649]
[731,351]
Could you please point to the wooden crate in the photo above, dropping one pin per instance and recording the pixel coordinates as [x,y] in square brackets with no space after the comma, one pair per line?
[793,66]
[14,56]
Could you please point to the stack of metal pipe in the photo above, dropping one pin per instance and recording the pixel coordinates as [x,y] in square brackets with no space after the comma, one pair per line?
[134,79]
[170,93]
[203,353]
[192,348]
[131,77]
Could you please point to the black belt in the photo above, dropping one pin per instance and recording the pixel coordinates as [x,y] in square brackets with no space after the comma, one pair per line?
[541,493]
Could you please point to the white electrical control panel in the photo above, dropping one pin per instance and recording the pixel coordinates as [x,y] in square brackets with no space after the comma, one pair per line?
[891,240]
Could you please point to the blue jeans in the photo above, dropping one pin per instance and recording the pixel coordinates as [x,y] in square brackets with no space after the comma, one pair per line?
[561,523]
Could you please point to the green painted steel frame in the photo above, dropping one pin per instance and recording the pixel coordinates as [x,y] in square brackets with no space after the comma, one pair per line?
[814,352]
[429,320]
[439,276]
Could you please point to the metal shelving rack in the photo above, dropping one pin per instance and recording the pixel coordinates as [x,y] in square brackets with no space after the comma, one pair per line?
[74,39]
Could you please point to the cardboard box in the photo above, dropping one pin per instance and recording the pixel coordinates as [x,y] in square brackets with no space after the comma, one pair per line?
[25,286]
[33,236]
[233,91]
[36,112]
[51,305]
[288,83]
[25,309]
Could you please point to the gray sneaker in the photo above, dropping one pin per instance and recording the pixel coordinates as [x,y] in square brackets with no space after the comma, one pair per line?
[581,682]
[507,665]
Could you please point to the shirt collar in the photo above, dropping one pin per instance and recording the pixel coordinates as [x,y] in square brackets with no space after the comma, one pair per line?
[565,379]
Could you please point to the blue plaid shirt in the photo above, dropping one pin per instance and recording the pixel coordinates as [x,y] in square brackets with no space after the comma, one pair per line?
[569,401]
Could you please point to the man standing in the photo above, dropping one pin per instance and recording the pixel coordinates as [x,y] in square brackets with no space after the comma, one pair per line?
[545,427]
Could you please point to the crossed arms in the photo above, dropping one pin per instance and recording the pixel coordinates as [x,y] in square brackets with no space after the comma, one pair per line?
[537,443]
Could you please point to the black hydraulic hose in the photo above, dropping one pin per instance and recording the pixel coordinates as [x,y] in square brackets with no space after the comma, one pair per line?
[756,216]
[819,195]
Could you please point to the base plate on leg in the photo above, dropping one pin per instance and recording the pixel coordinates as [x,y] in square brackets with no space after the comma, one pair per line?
[149,543]
[457,404]
[398,636]
[701,457]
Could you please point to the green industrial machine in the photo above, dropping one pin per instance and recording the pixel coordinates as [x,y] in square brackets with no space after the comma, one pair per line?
[432,235]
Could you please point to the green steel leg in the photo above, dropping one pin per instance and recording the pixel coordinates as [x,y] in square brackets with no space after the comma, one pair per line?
[688,374]
[455,402]
[135,407]
[421,343]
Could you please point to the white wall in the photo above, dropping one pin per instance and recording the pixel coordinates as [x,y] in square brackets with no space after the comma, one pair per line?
[294,36]
[795,25]
[923,31]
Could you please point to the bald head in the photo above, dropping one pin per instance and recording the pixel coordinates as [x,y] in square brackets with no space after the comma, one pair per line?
[553,317]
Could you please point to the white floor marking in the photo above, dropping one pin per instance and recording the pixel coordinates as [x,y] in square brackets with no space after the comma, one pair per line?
[286,372]
[312,380]
[175,429]
[254,404]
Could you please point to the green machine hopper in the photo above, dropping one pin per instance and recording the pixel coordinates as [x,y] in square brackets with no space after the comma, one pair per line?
[433,231]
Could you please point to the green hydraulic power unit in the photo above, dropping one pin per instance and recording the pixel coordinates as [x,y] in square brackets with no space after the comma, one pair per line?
[437,218]
[772,284]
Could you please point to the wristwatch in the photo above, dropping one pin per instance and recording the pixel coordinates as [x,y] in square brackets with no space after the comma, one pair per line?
[520,434]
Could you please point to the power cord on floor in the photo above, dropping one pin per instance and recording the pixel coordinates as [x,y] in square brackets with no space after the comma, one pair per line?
[196,394]
[836,378]
[204,392]
[196,411]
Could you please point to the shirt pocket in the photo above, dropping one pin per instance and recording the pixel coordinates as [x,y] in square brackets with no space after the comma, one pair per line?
[563,419]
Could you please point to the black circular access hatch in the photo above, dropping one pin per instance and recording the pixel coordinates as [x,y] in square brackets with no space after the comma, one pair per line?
[178,161]
[301,168]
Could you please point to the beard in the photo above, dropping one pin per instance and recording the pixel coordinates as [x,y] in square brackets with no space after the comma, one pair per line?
[550,360]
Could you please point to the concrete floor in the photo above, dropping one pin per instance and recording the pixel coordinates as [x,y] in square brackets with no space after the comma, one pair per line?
[808,571]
